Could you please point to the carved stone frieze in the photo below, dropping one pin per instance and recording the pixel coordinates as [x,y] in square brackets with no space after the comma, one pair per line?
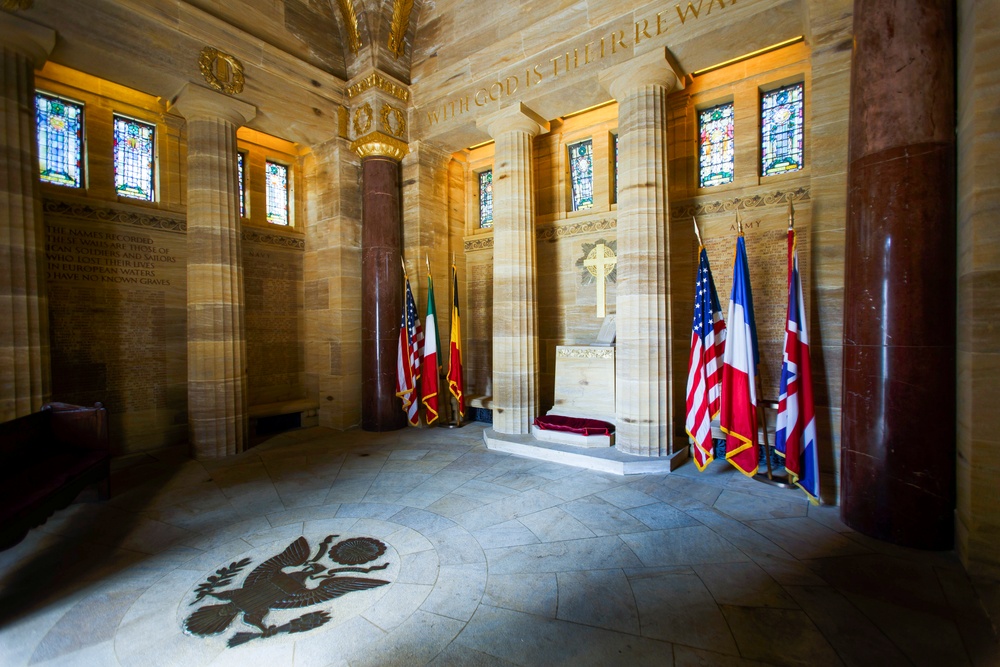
[277,240]
[585,352]
[376,80]
[741,203]
[56,207]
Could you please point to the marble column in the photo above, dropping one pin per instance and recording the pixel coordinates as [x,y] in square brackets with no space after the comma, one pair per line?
[381,293]
[25,383]
[217,403]
[643,362]
[898,421]
[515,311]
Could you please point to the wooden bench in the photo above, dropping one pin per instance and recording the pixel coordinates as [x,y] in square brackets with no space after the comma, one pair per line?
[46,459]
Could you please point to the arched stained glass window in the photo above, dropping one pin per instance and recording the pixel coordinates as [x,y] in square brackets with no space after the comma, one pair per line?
[715,144]
[134,158]
[240,164]
[277,193]
[781,140]
[60,140]
[581,174]
[486,199]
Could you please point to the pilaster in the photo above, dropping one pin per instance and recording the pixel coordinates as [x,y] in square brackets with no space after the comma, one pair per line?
[25,383]
[644,336]
[515,308]
[217,403]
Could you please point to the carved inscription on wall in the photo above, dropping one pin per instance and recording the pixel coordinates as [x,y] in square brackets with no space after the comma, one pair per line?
[107,256]
[272,283]
[117,311]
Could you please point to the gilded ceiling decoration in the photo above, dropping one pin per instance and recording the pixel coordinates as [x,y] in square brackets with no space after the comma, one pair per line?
[351,23]
[222,71]
[400,23]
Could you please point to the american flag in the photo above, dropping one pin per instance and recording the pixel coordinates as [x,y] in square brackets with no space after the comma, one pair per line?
[704,384]
[795,435]
[411,335]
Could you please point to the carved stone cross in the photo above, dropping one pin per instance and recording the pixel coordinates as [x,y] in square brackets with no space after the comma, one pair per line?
[600,262]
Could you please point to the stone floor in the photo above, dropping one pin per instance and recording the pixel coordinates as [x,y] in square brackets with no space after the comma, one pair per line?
[450,554]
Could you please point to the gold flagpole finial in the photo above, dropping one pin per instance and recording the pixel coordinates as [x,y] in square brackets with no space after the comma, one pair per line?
[791,215]
[697,233]
[739,223]
[428,260]
[403,264]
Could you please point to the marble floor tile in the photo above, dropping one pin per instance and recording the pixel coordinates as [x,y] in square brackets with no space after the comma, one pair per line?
[524,639]
[659,516]
[779,637]
[583,554]
[682,546]
[507,534]
[602,517]
[555,525]
[744,584]
[490,560]
[613,609]
[679,608]
[532,593]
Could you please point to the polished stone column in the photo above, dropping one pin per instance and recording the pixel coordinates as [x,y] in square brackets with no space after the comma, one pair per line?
[217,403]
[515,311]
[381,293]
[643,344]
[898,423]
[24,335]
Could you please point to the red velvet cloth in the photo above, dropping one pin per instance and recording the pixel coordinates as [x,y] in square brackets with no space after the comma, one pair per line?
[574,425]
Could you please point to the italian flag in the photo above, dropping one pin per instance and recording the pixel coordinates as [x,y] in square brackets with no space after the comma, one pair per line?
[429,374]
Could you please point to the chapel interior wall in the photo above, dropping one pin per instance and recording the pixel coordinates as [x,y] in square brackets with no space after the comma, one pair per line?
[117,273]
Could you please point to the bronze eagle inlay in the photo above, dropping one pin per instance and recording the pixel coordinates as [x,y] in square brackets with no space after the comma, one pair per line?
[283,582]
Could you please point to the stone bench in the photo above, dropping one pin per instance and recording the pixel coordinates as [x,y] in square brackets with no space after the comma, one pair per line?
[280,416]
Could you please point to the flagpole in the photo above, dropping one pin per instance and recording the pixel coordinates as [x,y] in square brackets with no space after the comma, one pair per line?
[452,401]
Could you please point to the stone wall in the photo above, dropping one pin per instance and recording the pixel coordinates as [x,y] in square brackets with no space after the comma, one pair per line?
[566,297]
[116,275]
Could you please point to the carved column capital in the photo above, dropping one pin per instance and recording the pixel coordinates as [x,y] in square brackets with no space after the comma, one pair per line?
[655,68]
[199,103]
[33,40]
[381,145]
[516,118]
[378,115]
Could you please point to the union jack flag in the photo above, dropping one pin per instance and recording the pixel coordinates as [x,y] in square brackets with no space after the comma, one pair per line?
[795,435]
[411,336]
[704,384]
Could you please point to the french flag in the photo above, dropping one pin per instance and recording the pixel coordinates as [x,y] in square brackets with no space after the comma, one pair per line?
[795,435]
[738,415]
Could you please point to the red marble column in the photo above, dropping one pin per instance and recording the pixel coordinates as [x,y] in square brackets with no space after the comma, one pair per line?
[381,294]
[898,429]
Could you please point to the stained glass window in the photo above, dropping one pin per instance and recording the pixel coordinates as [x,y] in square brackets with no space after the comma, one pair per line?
[240,160]
[277,193]
[486,199]
[134,154]
[781,114]
[60,140]
[715,131]
[581,174]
